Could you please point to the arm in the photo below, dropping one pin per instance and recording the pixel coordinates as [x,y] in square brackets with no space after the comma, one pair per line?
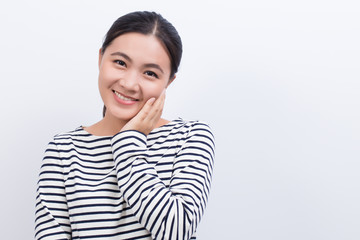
[171,212]
[52,217]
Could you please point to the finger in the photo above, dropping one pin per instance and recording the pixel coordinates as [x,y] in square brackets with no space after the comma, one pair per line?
[145,110]
[160,100]
[157,108]
[150,102]
[151,108]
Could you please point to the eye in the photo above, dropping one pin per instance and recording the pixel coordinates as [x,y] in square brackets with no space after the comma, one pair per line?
[151,74]
[120,62]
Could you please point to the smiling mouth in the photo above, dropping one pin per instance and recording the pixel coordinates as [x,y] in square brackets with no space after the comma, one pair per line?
[122,97]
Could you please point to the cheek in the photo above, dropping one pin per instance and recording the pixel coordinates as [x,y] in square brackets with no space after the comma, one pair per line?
[152,89]
[105,81]
[108,75]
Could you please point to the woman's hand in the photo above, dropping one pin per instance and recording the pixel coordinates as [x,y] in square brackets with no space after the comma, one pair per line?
[148,117]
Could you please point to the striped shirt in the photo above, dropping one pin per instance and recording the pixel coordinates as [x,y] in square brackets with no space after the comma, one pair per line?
[126,186]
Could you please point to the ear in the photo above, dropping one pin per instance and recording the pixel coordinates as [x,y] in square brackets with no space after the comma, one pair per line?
[100,57]
[170,81]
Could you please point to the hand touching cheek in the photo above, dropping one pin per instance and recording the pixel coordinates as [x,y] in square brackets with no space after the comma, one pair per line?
[148,117]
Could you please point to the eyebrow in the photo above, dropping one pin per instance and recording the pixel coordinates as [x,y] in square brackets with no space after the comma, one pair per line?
[153,65]
[147,65]
[121,55]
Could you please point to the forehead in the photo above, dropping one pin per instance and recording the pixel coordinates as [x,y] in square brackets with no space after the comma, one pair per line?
[140,48]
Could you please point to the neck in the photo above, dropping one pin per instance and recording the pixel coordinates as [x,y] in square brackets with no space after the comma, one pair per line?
[109,126]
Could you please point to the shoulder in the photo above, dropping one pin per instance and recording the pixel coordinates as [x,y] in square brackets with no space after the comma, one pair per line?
[62,139]
[199,139]
[196,126]
[201,131]
[78,135]
[193,128]
[183,126]
[67,136]
[190,124]
[76,131]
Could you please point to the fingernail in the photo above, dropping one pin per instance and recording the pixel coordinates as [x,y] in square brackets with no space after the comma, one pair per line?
[151,100]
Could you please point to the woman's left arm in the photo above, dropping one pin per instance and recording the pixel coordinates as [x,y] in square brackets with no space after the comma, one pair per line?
[168,212]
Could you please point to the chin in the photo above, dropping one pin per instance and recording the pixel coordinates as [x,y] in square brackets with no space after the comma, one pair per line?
[122,115]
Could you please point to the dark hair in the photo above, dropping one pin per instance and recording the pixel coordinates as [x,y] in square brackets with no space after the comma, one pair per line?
[148,23]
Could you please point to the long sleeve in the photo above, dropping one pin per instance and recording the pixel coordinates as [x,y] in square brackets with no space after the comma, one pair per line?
[167,212]
[52,217]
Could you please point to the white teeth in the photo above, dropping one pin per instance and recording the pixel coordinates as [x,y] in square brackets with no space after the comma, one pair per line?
[122,97]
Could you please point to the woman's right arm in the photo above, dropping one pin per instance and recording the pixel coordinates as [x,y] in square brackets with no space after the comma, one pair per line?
[52,217]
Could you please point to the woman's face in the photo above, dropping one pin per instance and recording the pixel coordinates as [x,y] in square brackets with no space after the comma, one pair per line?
[133,68]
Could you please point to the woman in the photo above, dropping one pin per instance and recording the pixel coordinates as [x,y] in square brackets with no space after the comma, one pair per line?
[133,174]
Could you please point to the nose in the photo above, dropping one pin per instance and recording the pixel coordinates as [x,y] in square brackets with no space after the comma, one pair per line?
[130,82]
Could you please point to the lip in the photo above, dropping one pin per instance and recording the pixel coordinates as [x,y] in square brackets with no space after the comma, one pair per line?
[122,101]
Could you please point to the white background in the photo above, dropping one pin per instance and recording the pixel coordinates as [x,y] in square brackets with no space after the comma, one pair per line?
[278,81]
